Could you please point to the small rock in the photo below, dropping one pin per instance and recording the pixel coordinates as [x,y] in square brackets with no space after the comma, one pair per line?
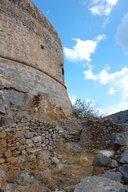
[37,139]
[2,109]
[11,187]
[75,147]
[36,187]
[24,179]
[107,153]
[114,164]
[3,179]
[102,161]
[54,136]
[46,176]
[31,157]
[2,160]
[8,154]
[97,171]
[55,160]
[22,158]
[2,135]
[60,166]
[3,143]
[16,153]
[29,135]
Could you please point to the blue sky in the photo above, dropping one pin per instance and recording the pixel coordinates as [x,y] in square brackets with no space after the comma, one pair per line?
[94,35]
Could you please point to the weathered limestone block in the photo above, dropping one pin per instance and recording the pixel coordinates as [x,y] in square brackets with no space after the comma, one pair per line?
[2,160]
[8,154]
[3,143]
[2,135]
[98,184]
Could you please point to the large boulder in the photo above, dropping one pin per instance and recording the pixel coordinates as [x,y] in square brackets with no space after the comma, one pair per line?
[124,171]
[99,184]
[121,139]
[107,153]
[115,176]
[124,157]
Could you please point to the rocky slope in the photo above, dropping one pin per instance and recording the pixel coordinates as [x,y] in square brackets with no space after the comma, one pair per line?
[120,117]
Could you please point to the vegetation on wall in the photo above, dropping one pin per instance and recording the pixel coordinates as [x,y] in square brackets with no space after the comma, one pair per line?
[83,109]
[42,47]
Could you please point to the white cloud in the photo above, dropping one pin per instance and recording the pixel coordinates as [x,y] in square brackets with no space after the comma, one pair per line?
[121,106]
[89,75]
[122,34]
[111,91]
[73,99]
[106,22]
[102,7]
[83,49]
[118,81]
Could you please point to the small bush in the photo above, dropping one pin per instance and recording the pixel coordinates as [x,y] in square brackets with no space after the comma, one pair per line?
[83,110]
[42,47]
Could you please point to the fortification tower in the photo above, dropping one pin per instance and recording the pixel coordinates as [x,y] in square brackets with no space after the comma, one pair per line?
[31,59]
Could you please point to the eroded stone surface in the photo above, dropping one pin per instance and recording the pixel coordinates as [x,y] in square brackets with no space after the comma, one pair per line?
[26,68]
[121,139]
[98,184]
[116,176]
[102,161]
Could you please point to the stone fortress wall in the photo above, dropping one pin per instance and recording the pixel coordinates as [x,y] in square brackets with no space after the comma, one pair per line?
[31,55]
[33,95]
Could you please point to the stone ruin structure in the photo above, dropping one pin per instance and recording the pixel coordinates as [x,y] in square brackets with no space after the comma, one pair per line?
[31,59]
[33,94]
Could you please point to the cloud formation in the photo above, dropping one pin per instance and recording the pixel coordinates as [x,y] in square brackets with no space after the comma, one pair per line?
[83,50]
[122,34]
[121,106]
[111,91]
[106,22]
[102,7]
[73,99]
[118,81]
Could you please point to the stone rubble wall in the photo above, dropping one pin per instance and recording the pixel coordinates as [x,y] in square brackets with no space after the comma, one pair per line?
[99,134]
[114,164]
[24,140]
[27,139]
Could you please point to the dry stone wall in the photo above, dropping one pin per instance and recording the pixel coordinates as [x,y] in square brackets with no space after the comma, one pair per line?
[99,134]
[25,140]
[28,134]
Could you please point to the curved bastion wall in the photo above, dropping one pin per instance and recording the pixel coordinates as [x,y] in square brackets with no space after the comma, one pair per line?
[31,56]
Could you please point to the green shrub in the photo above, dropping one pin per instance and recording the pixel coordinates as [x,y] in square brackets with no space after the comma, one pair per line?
[42,47]
[83,109]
